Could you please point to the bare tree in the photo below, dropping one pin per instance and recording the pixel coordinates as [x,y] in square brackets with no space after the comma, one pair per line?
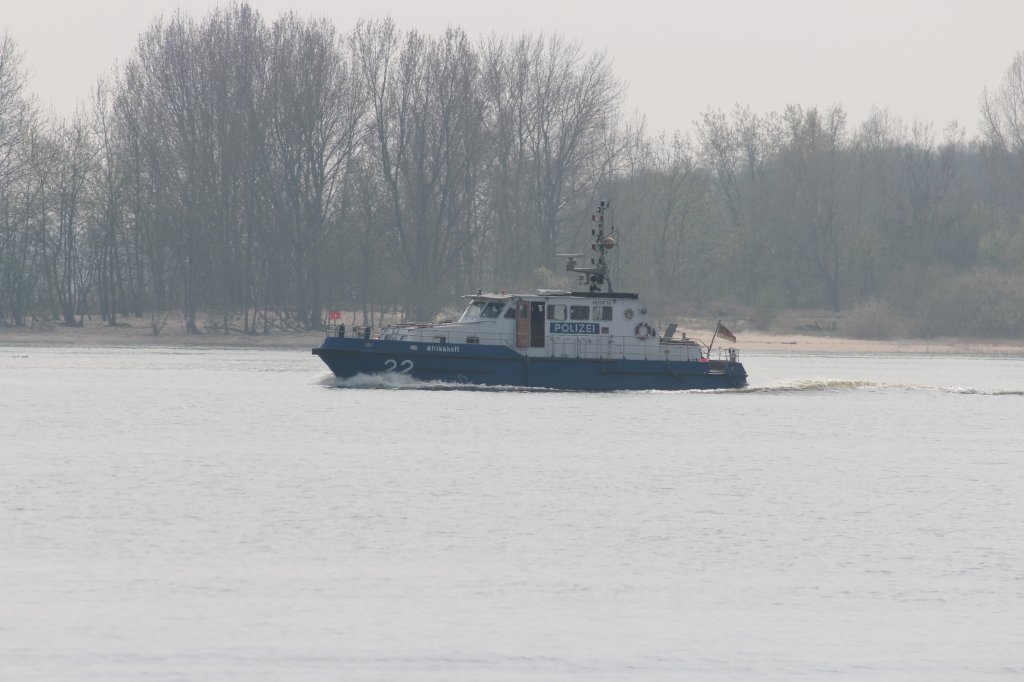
[23,202]
[741,152]
[67,257]
[179,145]
[1002,118]
[315,110]
[574,98]
[148,202]
[814,165]
[928,197]
[508,224]
[113,264]
[667,222]
[1002,110]
[17,111]
[427,119]
[17,122]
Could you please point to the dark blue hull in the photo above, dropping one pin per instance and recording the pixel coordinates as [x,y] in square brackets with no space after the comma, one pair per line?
[501,366]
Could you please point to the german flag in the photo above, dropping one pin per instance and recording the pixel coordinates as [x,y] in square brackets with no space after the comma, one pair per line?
[724,332]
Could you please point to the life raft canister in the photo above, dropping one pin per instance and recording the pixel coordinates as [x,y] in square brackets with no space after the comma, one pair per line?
[643,331]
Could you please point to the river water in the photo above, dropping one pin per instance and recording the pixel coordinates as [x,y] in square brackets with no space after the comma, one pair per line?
[211,514]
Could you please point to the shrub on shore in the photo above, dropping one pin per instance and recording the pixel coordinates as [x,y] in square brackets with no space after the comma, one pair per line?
[985,303]
[873,320]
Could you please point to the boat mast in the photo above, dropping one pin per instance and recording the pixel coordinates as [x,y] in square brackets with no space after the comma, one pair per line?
[596,274]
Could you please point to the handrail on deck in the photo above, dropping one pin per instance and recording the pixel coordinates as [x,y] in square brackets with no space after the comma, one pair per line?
[604,346]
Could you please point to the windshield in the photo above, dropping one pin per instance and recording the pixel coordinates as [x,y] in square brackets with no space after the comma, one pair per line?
[473,311]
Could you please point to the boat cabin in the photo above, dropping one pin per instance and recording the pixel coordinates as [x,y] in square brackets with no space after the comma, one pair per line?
[560,324]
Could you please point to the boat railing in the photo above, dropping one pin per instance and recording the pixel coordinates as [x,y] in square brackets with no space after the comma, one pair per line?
[720,353]
[604,346]
[343,330]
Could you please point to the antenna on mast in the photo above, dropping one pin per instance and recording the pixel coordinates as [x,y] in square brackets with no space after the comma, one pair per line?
[596,276]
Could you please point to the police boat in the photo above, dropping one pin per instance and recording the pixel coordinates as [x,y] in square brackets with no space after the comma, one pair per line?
[591,340]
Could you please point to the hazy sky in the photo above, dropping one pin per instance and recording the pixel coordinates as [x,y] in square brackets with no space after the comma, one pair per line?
[922,59]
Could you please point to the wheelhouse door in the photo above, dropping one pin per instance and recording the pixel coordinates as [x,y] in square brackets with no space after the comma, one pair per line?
[537,325]
[523,324]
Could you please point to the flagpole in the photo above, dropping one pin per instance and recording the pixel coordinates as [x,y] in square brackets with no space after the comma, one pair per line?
[713,338]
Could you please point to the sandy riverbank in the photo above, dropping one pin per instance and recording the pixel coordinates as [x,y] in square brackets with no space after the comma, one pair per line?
[758,341]
[138,333]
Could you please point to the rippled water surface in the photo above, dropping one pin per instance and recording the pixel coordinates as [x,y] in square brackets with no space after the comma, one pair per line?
[192,514]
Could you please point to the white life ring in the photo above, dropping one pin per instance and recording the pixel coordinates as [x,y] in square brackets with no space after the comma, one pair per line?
[643,331]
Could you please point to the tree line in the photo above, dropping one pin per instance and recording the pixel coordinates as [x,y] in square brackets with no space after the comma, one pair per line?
[254,174]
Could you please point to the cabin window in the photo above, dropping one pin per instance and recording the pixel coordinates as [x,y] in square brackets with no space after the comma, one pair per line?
[492,310]
[510,314]
[601,312]
[556,311]
[440,339]
[472,339]
[579,312]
